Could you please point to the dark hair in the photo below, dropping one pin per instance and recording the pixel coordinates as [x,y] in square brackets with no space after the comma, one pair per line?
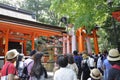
[70,59]
[63,61]
[18,60]
[75,52]
[37,69]
[95,79]
[32,52]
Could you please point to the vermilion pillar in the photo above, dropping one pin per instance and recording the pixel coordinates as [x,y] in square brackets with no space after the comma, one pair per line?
[95,42]
[6,41]
[33,42]
[80,40]
[24,48]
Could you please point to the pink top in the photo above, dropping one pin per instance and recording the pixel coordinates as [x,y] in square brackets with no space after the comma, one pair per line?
[11,69]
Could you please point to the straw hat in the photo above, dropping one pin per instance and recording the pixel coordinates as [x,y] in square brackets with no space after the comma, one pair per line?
[84,56]
[11,54]
[113,55]
[95,74]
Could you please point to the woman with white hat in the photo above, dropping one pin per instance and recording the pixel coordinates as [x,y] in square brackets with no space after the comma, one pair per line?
[114,59]
[95,74]
[8,71]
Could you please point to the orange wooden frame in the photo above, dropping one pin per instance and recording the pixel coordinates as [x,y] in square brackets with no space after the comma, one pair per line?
[81,39]
[21,33]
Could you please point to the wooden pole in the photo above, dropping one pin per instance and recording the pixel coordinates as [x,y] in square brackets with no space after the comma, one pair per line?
[33,42]
[6,41]
[80,41]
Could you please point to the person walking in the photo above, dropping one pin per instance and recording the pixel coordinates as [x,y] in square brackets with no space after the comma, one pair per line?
[9,71]
[29,62]
[71,64]
[20,64]
[64,73]
[85,67]
[38,72]
[91,62]
[106,67]
[78,59]
[100,63]
[114,59]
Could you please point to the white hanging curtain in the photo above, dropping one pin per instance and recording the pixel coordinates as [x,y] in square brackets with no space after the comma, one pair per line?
[89,49]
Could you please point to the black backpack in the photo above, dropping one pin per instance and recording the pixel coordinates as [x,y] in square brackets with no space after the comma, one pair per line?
[25,75]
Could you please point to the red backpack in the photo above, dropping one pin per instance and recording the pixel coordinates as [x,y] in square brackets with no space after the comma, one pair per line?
[116,67]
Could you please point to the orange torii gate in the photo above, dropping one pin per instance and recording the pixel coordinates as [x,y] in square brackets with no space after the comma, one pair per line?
[81,35]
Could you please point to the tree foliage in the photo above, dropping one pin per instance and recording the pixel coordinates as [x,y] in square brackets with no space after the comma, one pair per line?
[82,12]
[41,9]
[88,13]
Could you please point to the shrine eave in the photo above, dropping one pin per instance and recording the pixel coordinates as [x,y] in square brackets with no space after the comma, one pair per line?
[31,23]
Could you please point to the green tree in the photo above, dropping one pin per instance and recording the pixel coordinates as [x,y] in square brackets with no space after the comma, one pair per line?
[82,12]
[41,9]
[111,26]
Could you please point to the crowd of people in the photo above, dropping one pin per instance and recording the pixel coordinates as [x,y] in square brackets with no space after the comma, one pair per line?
[76,66]
[14,67]
[104,66]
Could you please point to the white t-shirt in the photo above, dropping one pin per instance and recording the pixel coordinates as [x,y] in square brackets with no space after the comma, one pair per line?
[65,74]
[91,62]
[99,63]
[73,67]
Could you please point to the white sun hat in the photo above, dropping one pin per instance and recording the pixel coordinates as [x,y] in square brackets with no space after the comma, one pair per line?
[11,54]
[113,55]
[95,74]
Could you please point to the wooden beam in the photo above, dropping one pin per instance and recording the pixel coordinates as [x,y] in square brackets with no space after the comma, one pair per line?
[19,37]
[27,29]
